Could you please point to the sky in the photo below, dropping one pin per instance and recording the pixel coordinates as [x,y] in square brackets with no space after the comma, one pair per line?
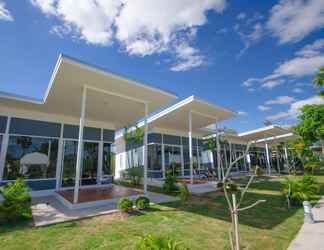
[254,57]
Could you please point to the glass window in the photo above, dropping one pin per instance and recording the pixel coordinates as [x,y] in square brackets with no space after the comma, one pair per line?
[186,158]
[154,157]
[172,155]
[108,160]
[89,164]
[31,158]
[135,157]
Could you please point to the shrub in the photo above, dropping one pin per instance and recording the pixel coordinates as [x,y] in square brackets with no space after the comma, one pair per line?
[170,185]
[220,184]
[184,193]
[135,174]
[298,190]
[125,204]
[17,202]
[150,242]
[142,202]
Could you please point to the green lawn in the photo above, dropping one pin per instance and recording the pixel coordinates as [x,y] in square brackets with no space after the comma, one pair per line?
[203,224]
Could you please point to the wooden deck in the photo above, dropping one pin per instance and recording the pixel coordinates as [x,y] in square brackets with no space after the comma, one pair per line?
[99,193]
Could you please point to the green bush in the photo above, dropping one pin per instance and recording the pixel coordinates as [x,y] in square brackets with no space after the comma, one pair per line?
[298,190]
[142,202]
[125,204]
[170,183]
[153,242]
[184,193]
[17,202]
[135,174]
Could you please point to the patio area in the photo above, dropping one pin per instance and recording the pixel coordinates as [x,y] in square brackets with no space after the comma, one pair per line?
[92,202]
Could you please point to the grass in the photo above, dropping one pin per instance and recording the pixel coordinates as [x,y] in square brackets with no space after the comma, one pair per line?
[202,224]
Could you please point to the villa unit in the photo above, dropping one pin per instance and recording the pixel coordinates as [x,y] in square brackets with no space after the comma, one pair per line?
[41,139]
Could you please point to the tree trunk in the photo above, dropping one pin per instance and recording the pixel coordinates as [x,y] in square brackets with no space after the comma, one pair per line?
[322,144]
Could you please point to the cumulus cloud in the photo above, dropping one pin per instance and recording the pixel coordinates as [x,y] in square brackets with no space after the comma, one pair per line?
[294,110]
[305,63]
[242,113]
[5,14]
[142,27]
[297,90]
[280,100]
[292,20]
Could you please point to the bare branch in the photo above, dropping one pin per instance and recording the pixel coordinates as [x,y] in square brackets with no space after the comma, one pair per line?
[253,205]
[245,190]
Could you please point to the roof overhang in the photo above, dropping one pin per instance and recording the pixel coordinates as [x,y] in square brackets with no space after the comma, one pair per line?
[110,98]
[275,140]
[176,117]
[263,133]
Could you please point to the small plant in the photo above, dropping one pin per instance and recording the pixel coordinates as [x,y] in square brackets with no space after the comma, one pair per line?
[17,202]
[135,174]
[299,190]
[220,184]
[170,185]
[184,193]
[142,202]
[125,205]
[153,242]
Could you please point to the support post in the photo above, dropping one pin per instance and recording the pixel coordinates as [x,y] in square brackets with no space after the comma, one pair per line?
[277,159]
[59,162]
[268,159]
[145,147]
[80,147]
[219,172]
[163,158]
[190,145]
[286,156]
[4,147]
[100,158]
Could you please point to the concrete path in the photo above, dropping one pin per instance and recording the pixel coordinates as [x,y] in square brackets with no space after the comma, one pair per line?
[311,236]
[48,210]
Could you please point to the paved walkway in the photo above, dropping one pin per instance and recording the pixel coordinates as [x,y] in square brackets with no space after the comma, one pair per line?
[48,210]
[311,236]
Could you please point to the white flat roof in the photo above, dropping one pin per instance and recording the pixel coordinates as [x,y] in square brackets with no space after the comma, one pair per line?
[176,116]
[273,140]
[264,132]
[110,97]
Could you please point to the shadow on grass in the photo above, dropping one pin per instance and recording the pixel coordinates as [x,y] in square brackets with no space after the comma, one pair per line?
[263,216]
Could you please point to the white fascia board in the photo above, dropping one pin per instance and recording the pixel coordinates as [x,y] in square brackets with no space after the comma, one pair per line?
[275,137]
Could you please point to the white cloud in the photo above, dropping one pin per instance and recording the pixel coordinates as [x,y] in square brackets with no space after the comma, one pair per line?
[187,58]
[292,20]
[305,63]
[242,113]
[294,110]
[5,13]
[241,16]
[297,90]
[263,108]
[280,100]
[142,27]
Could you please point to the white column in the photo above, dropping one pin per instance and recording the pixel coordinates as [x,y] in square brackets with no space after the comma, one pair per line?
[59,162]
[277,158]
[4,147]
[190,145]
[163,157]
[286,156]
[80,146]
[182,159]
[218,157]
[100,158]
[268,159]
[145,147]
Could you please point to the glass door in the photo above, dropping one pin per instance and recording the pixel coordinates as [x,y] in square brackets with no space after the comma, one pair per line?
[172,156]
[89,164]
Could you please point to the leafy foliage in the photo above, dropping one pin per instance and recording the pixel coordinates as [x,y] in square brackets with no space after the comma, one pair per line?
[142,202]
[125,204]
[319,80]
[298,190]
[184,193]
[170,185]
[17,202]
[135,174]
[153,242]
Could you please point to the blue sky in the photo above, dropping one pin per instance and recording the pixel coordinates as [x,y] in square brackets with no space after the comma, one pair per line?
[255,57]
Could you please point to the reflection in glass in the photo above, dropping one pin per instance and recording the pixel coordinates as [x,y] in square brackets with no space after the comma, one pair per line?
[108,160]
[31,158]
[154,157]
[186,158]
[172,155]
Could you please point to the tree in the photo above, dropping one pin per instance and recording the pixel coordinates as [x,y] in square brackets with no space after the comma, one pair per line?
[311,124]
[319,80]
[234,207]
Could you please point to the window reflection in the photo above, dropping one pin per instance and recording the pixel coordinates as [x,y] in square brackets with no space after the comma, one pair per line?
[108,160]
[172,156]
[31,158]
[154,157]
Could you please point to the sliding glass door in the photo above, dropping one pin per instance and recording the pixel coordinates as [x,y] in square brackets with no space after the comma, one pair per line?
[89,164]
